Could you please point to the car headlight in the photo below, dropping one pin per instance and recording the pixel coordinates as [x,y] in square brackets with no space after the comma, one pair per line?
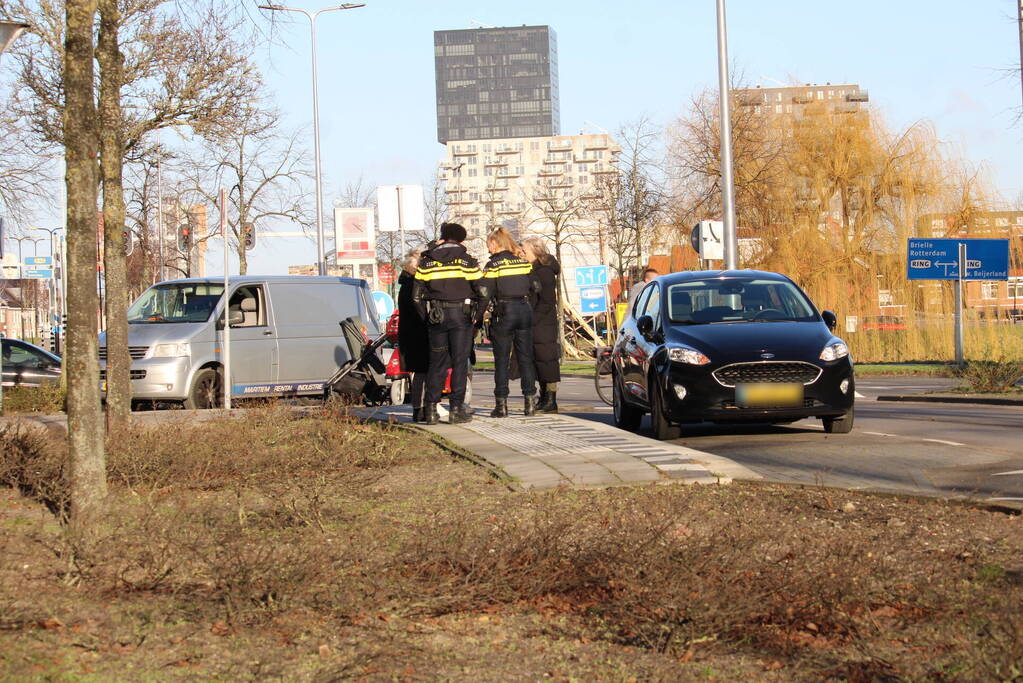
[834,351]
[171,350]
[685,354]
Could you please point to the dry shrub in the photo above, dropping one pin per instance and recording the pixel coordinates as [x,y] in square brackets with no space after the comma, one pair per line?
[32,461]
[991,376]
[47,399]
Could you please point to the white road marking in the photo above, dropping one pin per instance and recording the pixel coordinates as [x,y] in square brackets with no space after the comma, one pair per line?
[858,394]
[1008,498]
[947,443]
[1002,474]
[878,434]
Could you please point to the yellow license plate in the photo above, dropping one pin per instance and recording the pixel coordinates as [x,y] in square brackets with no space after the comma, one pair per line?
[769,395]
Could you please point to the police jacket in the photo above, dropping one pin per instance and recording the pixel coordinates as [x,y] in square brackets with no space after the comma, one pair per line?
[446,273]
[506,276]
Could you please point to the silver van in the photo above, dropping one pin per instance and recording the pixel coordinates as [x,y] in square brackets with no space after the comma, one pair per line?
[285,338]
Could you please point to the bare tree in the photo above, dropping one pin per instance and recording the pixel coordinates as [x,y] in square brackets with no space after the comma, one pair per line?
[435,205]
[263,169]
[86,453]
[24,173]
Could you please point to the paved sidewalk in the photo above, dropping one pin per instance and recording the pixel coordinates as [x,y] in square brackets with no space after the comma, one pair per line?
[547,451]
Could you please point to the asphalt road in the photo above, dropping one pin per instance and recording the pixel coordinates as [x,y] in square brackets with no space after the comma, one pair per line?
[949,450]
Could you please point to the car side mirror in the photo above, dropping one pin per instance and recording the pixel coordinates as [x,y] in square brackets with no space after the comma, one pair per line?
[645,325]
[830,319]
[234,317]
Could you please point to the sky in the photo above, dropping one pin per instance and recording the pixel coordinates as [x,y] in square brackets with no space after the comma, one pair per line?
[944,61]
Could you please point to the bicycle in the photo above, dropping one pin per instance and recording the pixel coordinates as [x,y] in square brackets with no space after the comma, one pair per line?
[602,377]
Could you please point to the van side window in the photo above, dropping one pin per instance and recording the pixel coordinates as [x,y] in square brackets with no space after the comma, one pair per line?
[249,300]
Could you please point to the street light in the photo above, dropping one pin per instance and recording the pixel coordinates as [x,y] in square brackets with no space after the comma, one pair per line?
[9,31]
[727,184]
[321,263]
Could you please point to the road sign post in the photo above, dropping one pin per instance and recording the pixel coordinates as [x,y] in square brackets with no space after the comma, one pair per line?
[959,260]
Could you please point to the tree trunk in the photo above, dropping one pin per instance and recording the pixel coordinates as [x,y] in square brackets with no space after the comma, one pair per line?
[87,460]
[111,140]
[243,261]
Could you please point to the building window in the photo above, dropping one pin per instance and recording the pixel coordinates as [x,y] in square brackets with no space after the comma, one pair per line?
[472,172]
[1016,288]
[584,179]
[988,290]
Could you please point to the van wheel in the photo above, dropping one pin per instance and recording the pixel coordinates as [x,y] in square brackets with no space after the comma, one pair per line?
[207,391]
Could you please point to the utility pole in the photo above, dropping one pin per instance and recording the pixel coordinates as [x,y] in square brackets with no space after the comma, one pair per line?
[1019,22]
[727,183]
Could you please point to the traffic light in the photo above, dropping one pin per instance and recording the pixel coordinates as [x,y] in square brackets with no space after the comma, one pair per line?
[129,242]
[248,236]
[184,237]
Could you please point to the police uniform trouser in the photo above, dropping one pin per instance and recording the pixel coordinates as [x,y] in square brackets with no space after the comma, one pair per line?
[514,326]
[450,342]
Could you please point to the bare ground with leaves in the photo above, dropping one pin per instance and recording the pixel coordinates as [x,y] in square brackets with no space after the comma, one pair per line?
[312,547]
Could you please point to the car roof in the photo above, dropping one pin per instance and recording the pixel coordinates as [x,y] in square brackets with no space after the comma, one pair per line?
[253,279]
[690,275]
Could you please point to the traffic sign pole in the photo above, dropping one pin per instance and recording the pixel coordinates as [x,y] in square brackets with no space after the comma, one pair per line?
[960,359]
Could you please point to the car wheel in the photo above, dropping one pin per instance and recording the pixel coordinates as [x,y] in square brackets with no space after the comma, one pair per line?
[663,429]
[626,416]
[398,391]
[839,425]
[207,390]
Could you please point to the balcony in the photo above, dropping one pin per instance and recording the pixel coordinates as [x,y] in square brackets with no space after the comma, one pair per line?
[507,211]
[562,182]
[584,160]
[858,96]
[599,143]
[802,98]
[508,173]
[560,145]
[508,150]
[550,160]
[599,171]
[495,188]
[498,162]
[459,152]
[548,172]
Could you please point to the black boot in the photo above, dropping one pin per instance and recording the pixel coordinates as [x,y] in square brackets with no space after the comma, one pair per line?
[418,414]
[458,413]
[529,407]
[431,416]
[551,405]
[500,408]
[543,397]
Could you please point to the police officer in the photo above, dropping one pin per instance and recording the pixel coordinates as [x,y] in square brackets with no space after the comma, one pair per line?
[508,281]
[446,293]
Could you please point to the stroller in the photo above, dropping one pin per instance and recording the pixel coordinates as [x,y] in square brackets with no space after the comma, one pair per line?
[363,376]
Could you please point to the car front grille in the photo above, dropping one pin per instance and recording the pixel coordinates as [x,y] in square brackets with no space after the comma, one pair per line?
[135,374]
[769,371]
[135,352]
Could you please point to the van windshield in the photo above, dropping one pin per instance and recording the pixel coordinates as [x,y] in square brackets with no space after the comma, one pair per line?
[187,302]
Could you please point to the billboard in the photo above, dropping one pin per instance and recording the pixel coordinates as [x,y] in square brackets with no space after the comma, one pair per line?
[353,234]
[400,207]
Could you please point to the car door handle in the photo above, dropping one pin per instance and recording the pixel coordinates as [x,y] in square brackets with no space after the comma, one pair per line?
[267,333]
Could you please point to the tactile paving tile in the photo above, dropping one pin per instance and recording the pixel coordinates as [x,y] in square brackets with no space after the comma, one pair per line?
[529,437]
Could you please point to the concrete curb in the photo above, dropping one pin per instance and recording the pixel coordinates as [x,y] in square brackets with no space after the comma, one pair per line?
[975,400]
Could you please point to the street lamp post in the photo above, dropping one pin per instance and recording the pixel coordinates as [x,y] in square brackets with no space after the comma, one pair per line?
[321,263]
[727,185]
[55,287]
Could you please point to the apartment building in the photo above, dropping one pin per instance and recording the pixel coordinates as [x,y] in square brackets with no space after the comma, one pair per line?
[796,100]
[496,83]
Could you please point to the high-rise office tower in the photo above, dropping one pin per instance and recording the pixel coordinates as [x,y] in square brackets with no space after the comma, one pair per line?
[496,83]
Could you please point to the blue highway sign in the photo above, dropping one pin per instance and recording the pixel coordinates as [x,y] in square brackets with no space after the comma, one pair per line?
[938,259]
[588,276]
[38,260]
[37,272]
[593,299]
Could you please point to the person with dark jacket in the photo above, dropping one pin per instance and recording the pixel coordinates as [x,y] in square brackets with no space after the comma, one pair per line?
[446,292]
[508,281]
[546,345]
[413,341]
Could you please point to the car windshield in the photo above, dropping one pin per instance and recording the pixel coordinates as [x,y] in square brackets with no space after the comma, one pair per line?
[188,302]
[734,300]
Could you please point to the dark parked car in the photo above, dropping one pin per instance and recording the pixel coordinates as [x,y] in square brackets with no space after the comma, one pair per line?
[27,365]
[729,346]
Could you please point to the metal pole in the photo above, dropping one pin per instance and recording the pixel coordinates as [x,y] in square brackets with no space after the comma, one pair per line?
[1019,21]
[159,214]
[321,264]
[401,223]
[960,358]
[227,301]
[727,189]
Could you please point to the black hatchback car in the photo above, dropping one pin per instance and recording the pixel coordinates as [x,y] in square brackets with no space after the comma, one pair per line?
[27,365]
[730,346]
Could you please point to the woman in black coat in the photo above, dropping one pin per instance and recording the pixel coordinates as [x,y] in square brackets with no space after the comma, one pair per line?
[546,346]
[413,342]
